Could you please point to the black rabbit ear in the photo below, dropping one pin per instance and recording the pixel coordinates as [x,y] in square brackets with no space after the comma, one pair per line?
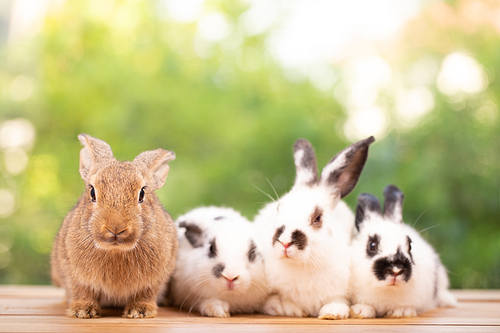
[194,234]
[343,171]
[367,205]
[393,205]
[305,163]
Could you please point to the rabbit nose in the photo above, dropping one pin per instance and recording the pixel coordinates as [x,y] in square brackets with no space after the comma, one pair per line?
[230,279]
[285,245]
[117,233]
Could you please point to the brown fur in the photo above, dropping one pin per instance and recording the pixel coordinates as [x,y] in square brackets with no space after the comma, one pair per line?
[116,251]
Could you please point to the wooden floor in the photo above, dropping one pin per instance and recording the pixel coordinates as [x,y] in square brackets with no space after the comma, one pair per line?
[40,309]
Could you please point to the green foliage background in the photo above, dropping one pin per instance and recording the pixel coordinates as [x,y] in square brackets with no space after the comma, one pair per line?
[141,85]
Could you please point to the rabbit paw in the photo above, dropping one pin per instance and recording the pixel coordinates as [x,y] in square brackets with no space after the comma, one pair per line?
[362,311]
[334,311]
[215,308]
[273,306]
[140,310]
[83,310]
[401,312]
[292,310]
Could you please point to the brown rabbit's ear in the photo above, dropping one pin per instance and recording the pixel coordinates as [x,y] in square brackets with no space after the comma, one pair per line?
[156,162]
[94,151]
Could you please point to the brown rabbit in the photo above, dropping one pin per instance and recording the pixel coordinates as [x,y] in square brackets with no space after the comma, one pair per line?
[118,246]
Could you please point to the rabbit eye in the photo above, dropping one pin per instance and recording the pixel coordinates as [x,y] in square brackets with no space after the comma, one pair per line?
[317,218]
[92,193]
[141,195]
[408,240]
[372,246]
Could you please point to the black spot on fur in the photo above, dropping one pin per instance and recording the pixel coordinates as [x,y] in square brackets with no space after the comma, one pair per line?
[194,233]
[372,245]
[299,239]
[308,161]
[278,233]
[218,269]
[252,252]
[219,217]
[317,218]
[212,251]
[346,176]
[366,203]
[383,267]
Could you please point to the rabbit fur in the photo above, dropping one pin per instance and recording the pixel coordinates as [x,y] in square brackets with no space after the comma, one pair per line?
[219,268]
[395,272]
[305,236]
[117,246]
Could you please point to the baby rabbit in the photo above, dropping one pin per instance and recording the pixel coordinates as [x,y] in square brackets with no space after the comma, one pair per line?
[305,236]
[118,246]
[219,269]
[395,272]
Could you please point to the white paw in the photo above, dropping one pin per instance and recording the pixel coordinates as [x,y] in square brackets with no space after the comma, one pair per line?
[214,308]
[362,311]
[273,306]
[334,311]
[292,310]
[401,312]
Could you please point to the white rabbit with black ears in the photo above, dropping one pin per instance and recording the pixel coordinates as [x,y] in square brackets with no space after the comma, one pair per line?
[394,271]
[305,236]
[219,268]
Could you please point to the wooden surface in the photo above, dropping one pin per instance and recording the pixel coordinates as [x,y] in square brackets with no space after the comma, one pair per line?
[41,309]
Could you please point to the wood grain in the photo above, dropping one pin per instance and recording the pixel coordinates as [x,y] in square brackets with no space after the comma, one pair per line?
[41,309]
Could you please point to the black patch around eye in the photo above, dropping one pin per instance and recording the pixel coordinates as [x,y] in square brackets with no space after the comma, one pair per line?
[218,269]
[317,218]
[278,233]
[372,245]
[212,251]
[252,252]
[408,241]
[299,239]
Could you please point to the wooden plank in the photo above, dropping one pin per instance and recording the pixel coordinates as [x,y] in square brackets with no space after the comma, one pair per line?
[41,309]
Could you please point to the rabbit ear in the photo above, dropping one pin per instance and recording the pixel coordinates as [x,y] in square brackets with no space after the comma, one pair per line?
[367,205]
[393,205]
[305,163]
[343,171]
[156,162]
[94,151]
[194,233]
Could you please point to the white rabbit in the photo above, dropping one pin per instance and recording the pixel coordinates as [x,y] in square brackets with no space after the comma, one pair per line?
[219,268]
[395,272]
[305,236]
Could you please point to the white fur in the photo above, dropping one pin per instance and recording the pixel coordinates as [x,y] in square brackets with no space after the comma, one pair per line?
[313,281]
[373,298]
[194,286]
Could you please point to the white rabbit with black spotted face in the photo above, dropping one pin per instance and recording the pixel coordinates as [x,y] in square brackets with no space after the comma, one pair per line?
[306,233]
[219,268]
[394,271]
